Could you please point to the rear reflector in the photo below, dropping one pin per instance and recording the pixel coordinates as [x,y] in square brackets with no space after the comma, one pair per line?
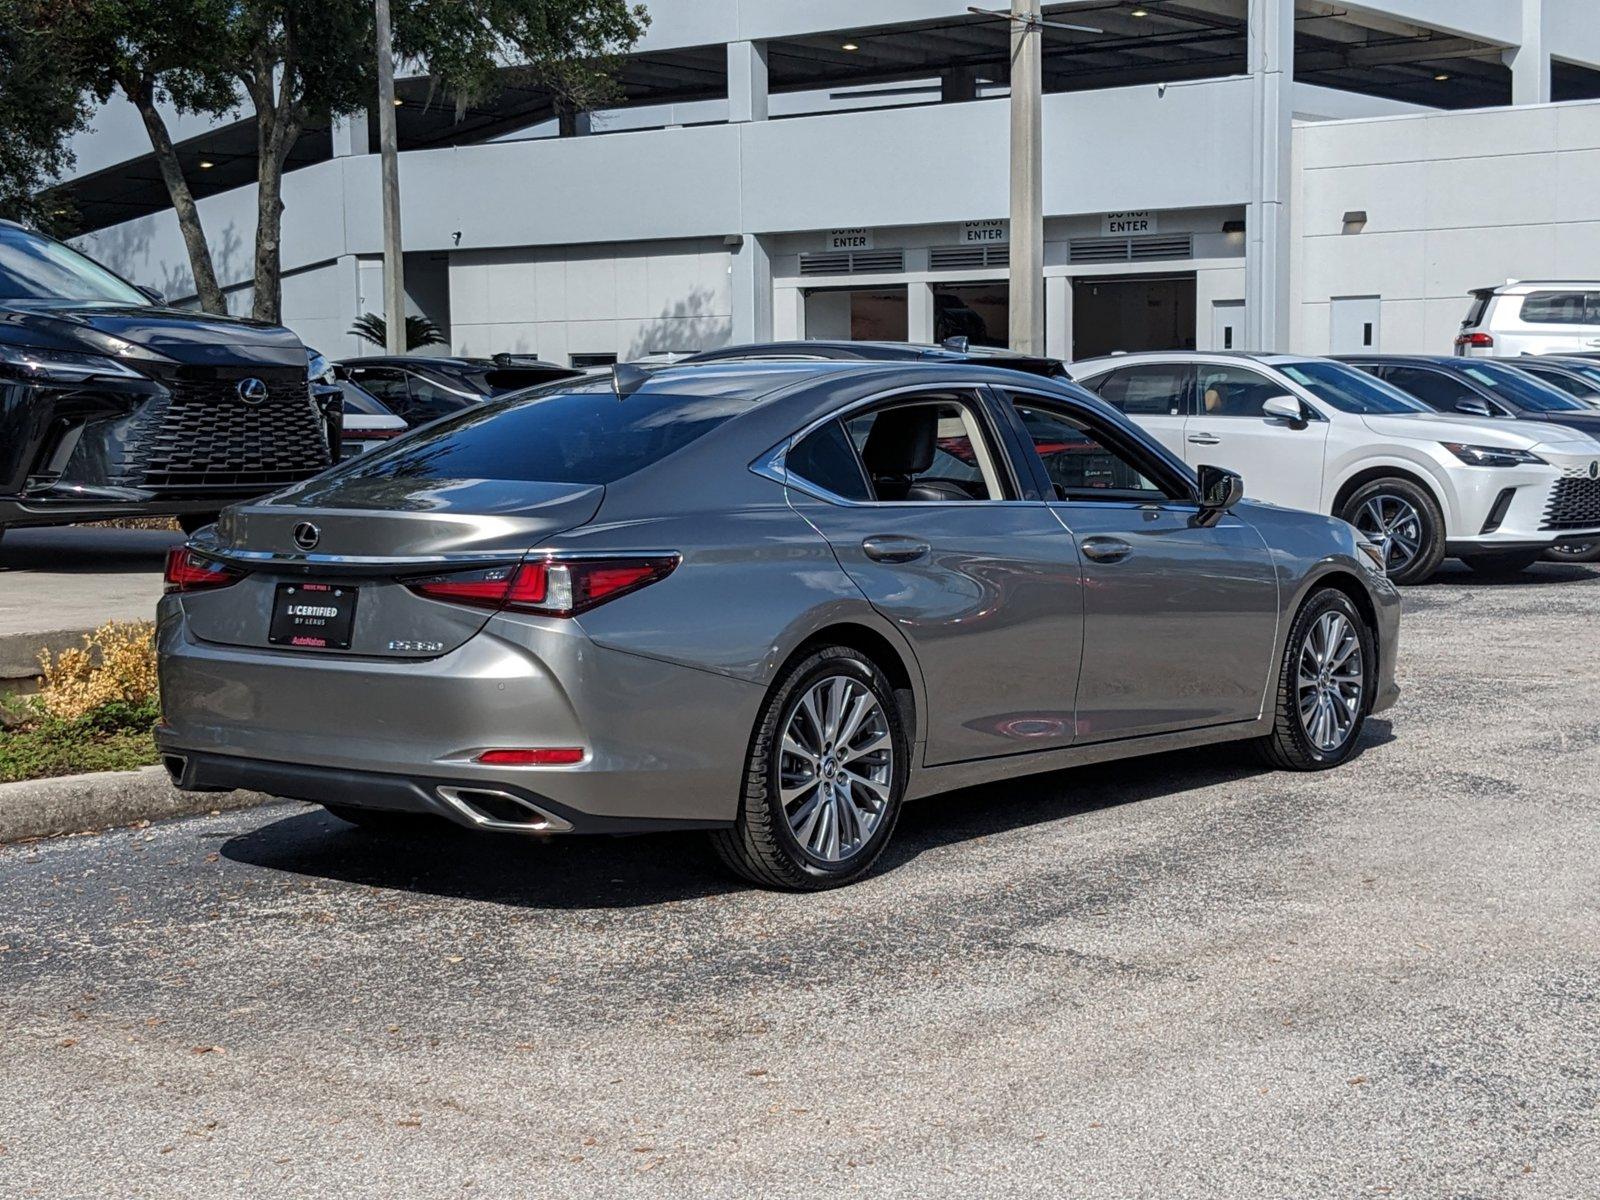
[552,587]
[1478,340]
[188,572]
[552,756]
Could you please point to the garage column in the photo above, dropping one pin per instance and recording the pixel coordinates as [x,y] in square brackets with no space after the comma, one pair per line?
[1271,55]
[1058,317]
[747,81]
[919,312]
[751,265]
[350,135]
[1530,61]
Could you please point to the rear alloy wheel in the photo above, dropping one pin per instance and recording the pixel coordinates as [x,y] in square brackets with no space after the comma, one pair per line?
[1502,563]
[824,777]
[1574,552]
[1324,686]
[1404,522]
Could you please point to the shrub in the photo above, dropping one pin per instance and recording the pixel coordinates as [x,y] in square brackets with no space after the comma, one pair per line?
[115,668]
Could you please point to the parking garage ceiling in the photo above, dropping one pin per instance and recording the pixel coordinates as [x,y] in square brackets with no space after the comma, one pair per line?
[1149,42]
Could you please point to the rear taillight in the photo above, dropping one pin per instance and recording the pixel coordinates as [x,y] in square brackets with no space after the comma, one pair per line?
[1479,341]
[551,587]
[188,572]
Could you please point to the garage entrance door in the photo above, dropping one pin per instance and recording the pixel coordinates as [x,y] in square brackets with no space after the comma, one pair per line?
[1132,313]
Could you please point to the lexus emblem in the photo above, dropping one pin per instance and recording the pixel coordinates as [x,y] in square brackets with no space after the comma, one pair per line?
[1594,469]
[252,390]
[307,535]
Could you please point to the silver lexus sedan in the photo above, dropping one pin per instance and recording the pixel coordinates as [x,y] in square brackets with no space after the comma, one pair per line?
[769,600]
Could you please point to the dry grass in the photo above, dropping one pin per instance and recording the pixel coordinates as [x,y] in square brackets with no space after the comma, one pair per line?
[115,665]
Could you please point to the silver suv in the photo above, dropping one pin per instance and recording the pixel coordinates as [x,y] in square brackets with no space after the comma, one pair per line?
[1531,316]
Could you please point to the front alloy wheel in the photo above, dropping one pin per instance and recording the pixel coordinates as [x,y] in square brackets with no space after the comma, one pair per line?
[824,777]
[1574,552]
[1404,522]
[1324,684]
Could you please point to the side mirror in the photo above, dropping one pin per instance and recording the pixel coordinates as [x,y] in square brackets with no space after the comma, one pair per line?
[150,294]
[1220,490]
[1285,408]
[1476,408]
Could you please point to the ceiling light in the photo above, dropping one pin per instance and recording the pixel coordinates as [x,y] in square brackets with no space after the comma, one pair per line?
[398,102]
[1440,77]
[849,46]
[206,164]
[1140,12]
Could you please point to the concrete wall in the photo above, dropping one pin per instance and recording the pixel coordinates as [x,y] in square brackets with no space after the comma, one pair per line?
[1453,201]
[627,300]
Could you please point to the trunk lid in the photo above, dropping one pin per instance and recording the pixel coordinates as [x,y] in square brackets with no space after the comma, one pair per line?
[375,535]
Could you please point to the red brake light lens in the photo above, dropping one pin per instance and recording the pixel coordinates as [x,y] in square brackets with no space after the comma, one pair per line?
[552,587]
[188,572]
[1483,340]
[551,756]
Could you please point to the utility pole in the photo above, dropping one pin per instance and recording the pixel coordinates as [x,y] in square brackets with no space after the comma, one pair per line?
[1027,180]
[394,267]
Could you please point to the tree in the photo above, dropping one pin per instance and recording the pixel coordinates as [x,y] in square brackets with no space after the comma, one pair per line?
[41,107]
[304,61]
[420,332]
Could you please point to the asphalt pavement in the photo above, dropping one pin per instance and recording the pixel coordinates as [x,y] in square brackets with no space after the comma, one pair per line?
[1176,977]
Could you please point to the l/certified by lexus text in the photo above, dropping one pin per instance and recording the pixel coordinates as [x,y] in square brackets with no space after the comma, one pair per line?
[773,601]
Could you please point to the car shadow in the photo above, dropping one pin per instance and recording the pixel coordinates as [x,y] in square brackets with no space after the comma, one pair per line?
[1456,574]
[632,872]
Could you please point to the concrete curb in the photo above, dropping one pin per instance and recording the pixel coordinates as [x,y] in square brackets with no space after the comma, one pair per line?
[76,803]
[19,652]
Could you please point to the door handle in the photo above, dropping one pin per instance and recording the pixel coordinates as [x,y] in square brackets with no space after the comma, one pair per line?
[1205,439]
[892,548]
[1106,549]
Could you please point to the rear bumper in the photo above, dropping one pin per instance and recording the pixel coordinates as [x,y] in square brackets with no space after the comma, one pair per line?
[450,799]
[661,741]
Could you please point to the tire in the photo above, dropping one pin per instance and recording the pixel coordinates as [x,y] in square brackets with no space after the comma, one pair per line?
[1576,552]
[863,806]
[1292,746]
[383,820]
[1386,496]
[195,522]
[1502,563]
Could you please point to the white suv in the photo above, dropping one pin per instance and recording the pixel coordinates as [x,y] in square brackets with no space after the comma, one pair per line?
[1531,316]
[1316,434]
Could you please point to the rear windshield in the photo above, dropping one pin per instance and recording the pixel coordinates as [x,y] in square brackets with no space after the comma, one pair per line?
[1351,390]
[1480,301]
[1522,389]
[38,268]
[587,436]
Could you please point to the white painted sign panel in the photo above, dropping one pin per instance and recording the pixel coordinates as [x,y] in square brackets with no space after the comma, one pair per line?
[985,233]
[1121,224]
[858,238]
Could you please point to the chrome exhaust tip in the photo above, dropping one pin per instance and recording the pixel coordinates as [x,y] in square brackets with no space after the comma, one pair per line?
[489,808]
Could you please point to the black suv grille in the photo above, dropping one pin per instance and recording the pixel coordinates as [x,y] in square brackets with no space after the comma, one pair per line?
[1574,504]
[206,437]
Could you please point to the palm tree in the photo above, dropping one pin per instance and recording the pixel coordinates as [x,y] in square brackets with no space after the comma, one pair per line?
[420,331]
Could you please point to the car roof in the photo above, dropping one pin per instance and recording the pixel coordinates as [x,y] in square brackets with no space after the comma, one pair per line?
[1425,360]
[866,351]
[1264,357]
[1514,286]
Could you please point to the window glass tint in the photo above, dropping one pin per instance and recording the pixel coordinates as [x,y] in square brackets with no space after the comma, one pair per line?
[1480,302]
[586,436]
[428,401]
[1349,389]
[1080,466]
[826,458]
[1521,389]
[37,268]
[357,401]
[1562,308]
[1434,388]
[1154,389]
[932,452]
[1228,391]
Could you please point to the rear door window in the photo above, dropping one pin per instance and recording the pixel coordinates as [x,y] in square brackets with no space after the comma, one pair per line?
[1153,389]
[930,451]
[1434,388]
[1561,308]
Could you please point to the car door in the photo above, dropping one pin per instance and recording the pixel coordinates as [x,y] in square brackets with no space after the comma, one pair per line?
[1180,618]
[924,514]
[1281,460]
[1157,397]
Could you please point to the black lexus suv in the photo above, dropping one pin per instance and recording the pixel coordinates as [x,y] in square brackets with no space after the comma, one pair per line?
[114,405]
